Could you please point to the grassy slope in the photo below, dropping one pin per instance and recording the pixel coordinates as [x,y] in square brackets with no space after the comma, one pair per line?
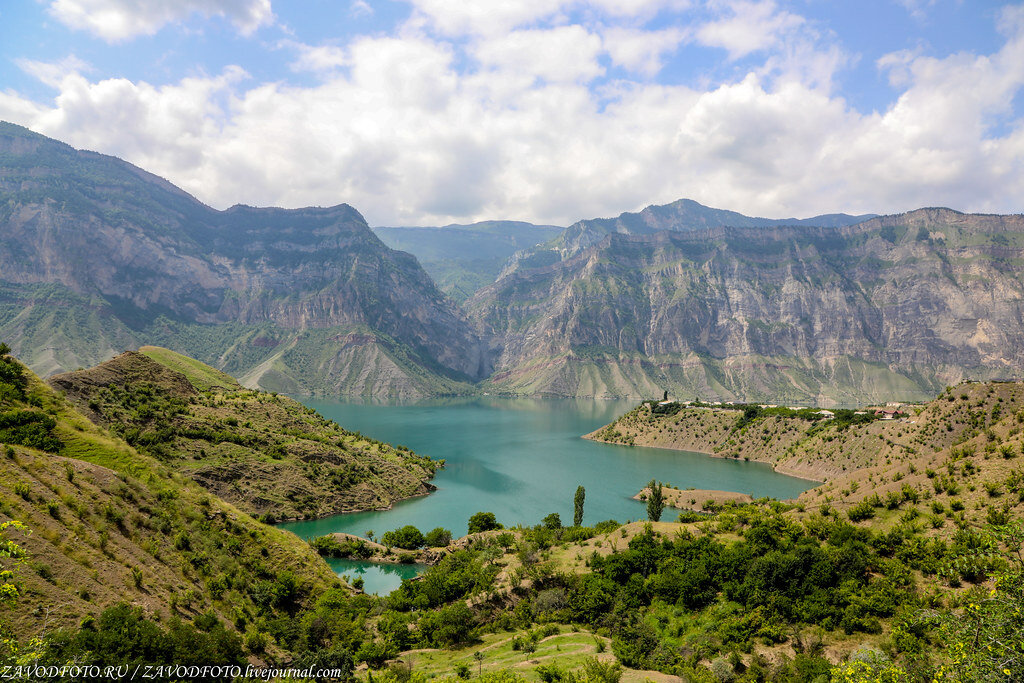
[107,524]
[971,435]
[567,650]
[200,375]
[265,453]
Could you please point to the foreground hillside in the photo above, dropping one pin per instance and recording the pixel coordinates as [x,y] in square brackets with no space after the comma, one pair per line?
[104,523]
[267,454]
[98,256]
[895,307]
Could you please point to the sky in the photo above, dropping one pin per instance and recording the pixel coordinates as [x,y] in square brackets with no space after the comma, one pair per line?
[428,112]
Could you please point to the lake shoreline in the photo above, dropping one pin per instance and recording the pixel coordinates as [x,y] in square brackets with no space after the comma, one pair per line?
[523,459]
[780,469]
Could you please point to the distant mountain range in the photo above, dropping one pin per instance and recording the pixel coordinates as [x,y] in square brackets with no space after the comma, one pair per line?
[684,215]
[98,256]
[465,258]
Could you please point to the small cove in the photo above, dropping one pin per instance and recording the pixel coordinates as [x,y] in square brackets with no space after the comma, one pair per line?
[522,459]
[378,578]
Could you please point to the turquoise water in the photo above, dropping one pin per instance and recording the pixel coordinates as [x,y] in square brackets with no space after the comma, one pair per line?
[378,578]
[523,459]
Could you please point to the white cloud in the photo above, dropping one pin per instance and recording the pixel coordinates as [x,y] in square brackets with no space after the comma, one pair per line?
[566,53]
[116,20]
[748,27]
[52,73]
[458,17]
[640,8]
[406,134]
[917,8]
[359,8]
[639,50]
[317,58]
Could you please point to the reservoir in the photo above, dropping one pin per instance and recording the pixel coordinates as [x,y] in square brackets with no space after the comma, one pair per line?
[522,458]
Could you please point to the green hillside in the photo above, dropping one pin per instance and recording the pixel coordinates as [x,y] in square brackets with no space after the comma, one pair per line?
[104,523]
[263,452]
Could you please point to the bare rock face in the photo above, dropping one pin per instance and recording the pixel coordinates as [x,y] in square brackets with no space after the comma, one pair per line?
[86,232]
[902,303]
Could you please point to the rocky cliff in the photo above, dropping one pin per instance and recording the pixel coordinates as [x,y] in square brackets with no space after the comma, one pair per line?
[682,215]
[97,256]
[95,248]
[897,306]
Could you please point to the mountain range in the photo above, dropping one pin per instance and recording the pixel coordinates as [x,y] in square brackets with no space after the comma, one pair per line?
[896,306]
[98,256]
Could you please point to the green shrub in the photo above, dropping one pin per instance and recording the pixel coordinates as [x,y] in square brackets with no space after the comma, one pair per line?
[437,538]
[483,521]
[408,537]
[861,511]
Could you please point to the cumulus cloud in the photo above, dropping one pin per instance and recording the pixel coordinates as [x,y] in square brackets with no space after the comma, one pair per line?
[565,53]
[641,51]
[116,20]
[748,27]
[408,134]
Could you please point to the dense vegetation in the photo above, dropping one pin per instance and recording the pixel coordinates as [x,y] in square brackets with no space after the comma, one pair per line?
[265,453]
[92,522]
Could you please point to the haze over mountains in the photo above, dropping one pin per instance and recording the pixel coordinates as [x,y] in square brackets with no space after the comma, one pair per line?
[98,256]
[464,258]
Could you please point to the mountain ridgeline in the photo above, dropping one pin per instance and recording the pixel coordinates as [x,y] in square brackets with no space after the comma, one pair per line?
[98,256]
[895,306]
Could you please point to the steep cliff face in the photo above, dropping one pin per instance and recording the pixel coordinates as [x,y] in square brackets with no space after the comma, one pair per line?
[899,303]
[682,215]
[134,257]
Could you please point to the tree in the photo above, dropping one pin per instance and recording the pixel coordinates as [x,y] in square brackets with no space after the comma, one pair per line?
[655,501]
[553,521]
[12,555]
[581,495]
[437,538]
[483,521]
[408,537]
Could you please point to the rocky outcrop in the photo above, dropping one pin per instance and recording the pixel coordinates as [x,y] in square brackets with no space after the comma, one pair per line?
[896,305]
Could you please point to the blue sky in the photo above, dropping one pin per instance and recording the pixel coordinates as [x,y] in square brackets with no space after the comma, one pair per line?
[435,111]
